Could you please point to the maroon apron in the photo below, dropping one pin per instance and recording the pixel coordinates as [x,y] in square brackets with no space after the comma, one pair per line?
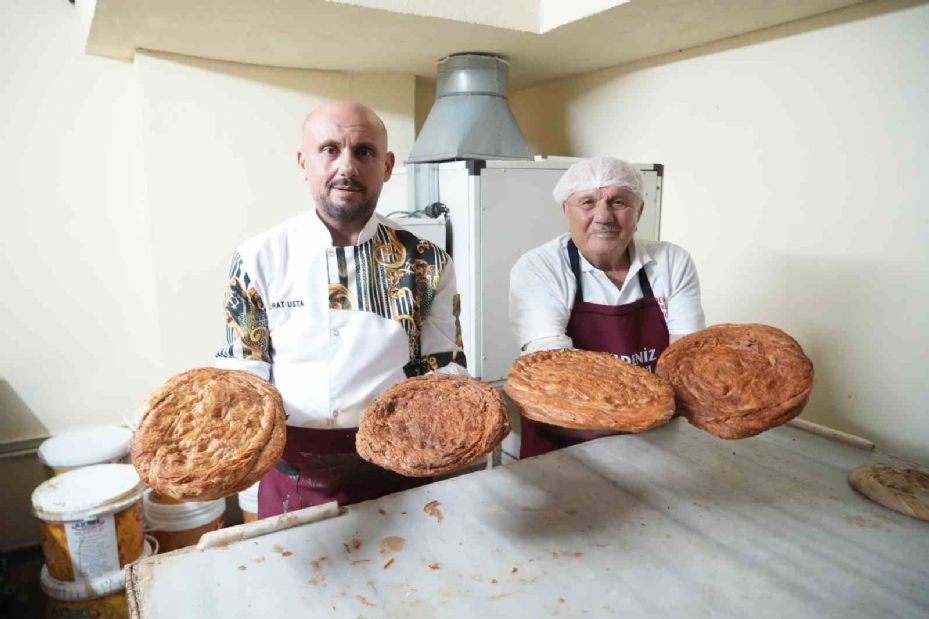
[636,332]
[319,466]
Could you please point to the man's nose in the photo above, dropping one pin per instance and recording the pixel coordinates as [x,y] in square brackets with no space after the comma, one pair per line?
[602,212]
[347,164]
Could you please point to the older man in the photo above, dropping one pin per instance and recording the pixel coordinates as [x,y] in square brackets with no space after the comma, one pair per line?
[597,287]
[334,306]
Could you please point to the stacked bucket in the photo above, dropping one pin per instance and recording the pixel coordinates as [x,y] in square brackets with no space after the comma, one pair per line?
[90,517]
[96,516]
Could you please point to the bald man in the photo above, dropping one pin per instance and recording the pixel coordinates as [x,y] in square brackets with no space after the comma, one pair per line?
[334,306]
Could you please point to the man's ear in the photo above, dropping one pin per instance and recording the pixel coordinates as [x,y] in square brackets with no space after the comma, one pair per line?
[301,163]
[389,165]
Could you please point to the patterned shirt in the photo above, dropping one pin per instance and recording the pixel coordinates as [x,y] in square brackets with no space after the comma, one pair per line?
[333,327]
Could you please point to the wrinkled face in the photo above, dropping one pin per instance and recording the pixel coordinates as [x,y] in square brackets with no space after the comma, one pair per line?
[345,162]
[602,221]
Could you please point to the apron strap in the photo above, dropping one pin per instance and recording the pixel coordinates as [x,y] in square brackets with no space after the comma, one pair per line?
[575,260]
[644,285]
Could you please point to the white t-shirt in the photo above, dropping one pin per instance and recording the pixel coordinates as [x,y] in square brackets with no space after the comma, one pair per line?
[542,289]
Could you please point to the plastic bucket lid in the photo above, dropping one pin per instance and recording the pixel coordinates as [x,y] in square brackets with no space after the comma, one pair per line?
[248,499]
[181,516]
[86,492]
[87,589]
[86,446]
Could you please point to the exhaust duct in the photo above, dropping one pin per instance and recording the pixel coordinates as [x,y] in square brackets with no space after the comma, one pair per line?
[471,118]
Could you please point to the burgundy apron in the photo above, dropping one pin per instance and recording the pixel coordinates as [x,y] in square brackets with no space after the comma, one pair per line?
[319,466]
[636,332]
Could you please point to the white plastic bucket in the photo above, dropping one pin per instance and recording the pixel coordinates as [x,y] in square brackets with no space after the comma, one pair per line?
[91,520]
[102,597]
[85,447]
[248,503]
[176,524]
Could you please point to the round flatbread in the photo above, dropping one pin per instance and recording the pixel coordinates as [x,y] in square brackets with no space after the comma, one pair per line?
[431,425]
[589,390]
[738,380]
[900,489]
[208,433]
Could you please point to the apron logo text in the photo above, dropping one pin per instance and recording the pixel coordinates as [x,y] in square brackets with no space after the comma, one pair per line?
[646,356]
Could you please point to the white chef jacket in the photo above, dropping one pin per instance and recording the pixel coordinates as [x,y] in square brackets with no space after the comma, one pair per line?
[333,327]
[542,289]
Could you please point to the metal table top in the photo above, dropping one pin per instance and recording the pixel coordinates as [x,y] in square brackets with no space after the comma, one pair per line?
[672,522]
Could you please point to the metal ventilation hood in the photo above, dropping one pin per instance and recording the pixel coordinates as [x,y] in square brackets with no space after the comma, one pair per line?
[470,118]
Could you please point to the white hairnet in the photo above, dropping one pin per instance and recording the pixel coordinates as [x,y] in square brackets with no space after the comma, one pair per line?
[597,172]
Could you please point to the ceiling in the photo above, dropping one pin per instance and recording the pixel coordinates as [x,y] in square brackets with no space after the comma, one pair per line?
[409,36]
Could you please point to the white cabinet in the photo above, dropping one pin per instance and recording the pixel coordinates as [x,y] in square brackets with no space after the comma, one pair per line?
[498,210]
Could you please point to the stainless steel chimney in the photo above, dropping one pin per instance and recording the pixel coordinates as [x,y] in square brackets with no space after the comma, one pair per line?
[470,118]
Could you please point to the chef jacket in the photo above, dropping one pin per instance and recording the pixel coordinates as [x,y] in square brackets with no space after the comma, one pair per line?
[333,327]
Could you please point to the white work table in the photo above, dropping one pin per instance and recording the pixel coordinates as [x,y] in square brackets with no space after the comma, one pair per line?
[673,522]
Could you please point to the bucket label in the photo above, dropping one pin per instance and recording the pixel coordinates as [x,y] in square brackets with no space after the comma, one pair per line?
[93,547]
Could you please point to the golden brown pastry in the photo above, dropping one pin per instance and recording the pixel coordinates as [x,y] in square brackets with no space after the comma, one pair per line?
[588,390]
[738,380]
[900,489]
[208,433]
[431,425]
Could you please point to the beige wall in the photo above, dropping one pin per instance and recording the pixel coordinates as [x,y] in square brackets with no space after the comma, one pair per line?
[424,97]
[124,189]
[218,144]
[74,234]
[73,240]
[796,176]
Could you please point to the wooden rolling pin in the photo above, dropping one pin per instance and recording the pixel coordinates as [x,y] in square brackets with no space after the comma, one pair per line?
[837,435]
[249,530]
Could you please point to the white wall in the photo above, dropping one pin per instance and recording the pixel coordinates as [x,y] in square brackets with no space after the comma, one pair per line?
[124,189]
[796,176]
[515,14]
[555,13]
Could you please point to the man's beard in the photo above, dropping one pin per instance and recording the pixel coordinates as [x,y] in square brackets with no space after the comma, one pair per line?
[348,212]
